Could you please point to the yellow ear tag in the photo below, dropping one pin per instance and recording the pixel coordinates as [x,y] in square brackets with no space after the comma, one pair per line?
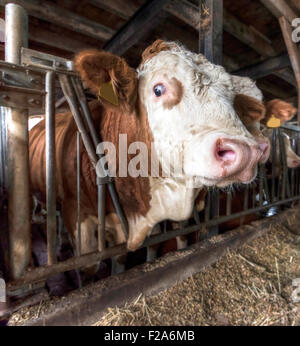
[106,92]
[273,122]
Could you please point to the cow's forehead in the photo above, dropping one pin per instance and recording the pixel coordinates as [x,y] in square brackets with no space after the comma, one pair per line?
[189,68]
[246,86]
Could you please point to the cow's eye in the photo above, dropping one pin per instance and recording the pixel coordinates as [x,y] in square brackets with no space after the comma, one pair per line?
[159,90]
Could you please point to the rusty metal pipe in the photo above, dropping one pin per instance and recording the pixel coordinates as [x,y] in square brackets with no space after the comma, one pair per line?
[16,36]
[78,197]
[50,167]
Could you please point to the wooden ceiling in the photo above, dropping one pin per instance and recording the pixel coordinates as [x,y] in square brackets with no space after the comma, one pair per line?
[64,27]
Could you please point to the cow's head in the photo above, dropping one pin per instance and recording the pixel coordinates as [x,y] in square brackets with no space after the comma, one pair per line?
[282,110]
[292,159]
[190,110]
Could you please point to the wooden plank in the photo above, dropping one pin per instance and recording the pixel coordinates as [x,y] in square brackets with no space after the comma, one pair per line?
[140,23]
[280,8]
[64,18]
[293,53]
[265,68]
[211,35]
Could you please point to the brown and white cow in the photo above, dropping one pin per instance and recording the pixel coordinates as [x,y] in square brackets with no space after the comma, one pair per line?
[177,100]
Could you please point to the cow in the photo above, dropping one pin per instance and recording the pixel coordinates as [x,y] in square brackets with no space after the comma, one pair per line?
[176,102]
[279,109]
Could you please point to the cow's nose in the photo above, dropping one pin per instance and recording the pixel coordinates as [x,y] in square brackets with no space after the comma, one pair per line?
[237,159]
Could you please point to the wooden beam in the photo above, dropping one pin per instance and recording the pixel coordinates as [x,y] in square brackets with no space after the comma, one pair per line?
[248,35]
[185,11]
[280,8]
[265,68]
[292,100]
[121,8]
[64,18]
[293,53]
[56,40]
[272,89]
[287,75]
[211,35]
[140,23]
[230,64]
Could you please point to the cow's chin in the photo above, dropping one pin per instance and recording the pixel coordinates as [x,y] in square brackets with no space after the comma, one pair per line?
[200,181]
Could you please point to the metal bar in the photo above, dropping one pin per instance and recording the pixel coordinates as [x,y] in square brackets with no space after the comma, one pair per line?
[291,127]
[228,202]
[78,197]
[211,38]
[265,185]
[101,215]
[274,158]
[254,185]
[246,197]
[285,183]
[71,98]
[207,207]
[16,36]
[3,150]
[77,85]
[261,167]
[115,198]
[84,260]
[50,167]
[215,211]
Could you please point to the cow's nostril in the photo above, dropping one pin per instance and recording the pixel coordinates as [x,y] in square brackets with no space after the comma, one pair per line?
[226,155]
[263,147]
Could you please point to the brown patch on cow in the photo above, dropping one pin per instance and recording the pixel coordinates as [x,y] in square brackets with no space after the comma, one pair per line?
[134,193]
[281,109]
[97,67]
[175,95]
[157,47]
[249,109]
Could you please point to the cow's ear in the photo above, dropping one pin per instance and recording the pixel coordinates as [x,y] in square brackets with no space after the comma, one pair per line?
[103,71]
[249,109]
[281,110]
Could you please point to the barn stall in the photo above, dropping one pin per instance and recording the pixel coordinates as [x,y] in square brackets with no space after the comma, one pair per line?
[41,38]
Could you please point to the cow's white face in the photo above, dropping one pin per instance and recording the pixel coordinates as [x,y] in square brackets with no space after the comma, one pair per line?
[189,102]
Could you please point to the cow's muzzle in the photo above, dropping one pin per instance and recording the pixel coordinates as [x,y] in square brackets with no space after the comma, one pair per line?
[237,160]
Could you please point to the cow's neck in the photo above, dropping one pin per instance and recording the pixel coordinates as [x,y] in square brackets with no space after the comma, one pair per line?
[134,193]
